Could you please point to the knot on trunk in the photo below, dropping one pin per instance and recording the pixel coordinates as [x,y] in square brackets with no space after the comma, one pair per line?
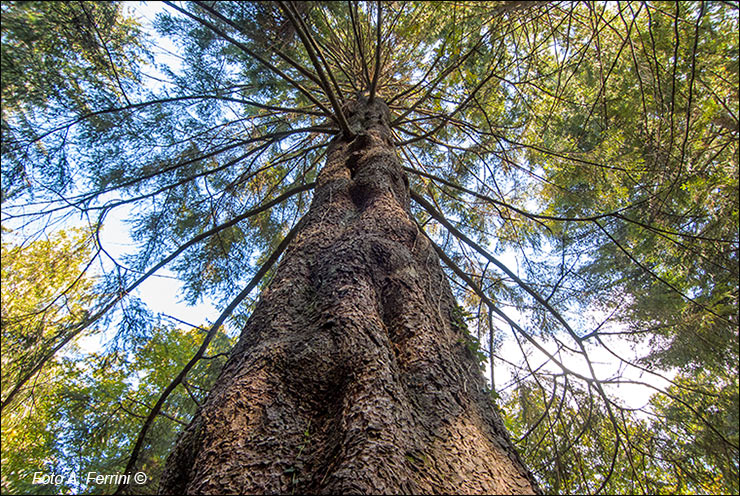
[363,115]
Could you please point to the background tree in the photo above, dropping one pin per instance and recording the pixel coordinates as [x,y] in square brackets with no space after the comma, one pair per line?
[82,409]
[44,289]
[574,164]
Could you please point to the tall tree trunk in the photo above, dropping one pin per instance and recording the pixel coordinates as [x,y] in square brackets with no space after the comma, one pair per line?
[352,374]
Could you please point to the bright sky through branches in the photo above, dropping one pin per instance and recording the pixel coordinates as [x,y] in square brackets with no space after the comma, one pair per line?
[161,292]
[571,168]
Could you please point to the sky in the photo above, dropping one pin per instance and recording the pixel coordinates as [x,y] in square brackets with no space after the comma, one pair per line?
[162,292]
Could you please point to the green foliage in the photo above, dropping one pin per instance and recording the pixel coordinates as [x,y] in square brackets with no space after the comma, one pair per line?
[472,343]
[684,447]
[45,291]
[587,152]
[81,412]
[669,260]
[59,60]
[670,170]
[697,425]
[86,411]
[47,46]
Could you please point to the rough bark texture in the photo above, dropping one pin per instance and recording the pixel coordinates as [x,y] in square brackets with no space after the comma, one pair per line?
[353,374]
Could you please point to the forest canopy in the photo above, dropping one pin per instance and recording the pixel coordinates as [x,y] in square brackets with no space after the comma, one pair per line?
[575,164]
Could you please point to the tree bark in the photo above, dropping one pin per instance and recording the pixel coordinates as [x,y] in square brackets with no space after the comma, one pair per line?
[352,374]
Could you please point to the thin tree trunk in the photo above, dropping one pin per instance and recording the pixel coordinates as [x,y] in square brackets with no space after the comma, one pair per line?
[352,374]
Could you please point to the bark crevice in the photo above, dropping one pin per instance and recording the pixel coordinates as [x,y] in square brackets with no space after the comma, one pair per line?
[351,376]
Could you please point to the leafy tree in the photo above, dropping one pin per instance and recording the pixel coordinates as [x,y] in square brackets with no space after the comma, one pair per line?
[700,453]
[88,407]
[44,290]
[360,144]
[568,439]
[59,57]
[82,409]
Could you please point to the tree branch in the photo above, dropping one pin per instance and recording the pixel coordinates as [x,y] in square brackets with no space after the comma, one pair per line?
[198,354]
